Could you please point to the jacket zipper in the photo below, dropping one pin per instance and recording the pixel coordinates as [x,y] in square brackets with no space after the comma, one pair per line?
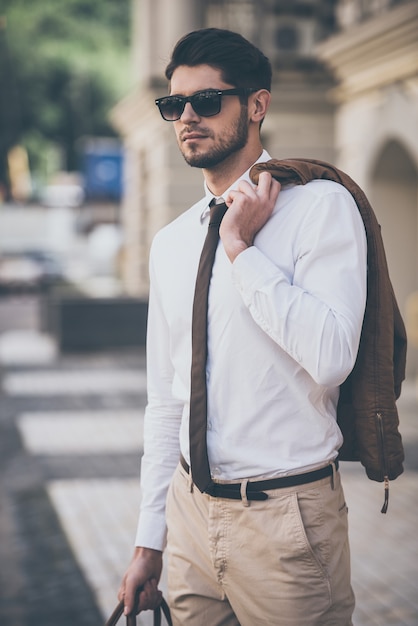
[384,462]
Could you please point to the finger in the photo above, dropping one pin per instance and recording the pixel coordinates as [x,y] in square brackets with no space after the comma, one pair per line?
[232,195]
[274,190]
[264,183]
[150,597]
[130,599]
[268,188]
[149,603]
[246,188]
[152,590]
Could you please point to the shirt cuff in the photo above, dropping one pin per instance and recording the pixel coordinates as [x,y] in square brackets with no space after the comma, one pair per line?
[151,531]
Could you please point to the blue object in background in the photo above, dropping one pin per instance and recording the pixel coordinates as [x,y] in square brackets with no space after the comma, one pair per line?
[103,169]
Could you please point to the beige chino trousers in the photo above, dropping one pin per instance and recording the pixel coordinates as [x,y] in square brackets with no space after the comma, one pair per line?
[280,562]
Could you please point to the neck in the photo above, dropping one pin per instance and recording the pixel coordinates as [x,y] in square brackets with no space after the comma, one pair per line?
[221,177]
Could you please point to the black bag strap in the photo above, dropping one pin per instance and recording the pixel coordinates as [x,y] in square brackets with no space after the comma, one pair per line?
[131,619]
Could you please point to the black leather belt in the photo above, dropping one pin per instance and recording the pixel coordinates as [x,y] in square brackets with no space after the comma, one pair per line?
[255,490]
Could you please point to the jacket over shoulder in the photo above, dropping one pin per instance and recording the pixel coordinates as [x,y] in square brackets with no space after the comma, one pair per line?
[367,412]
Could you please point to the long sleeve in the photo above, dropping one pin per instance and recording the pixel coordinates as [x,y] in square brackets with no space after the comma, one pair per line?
[313,311]
[161,428]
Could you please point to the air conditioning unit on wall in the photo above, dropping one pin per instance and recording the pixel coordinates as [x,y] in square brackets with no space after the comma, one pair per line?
[290,36]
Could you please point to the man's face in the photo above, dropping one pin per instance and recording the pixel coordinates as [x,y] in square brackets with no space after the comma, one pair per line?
[207,141]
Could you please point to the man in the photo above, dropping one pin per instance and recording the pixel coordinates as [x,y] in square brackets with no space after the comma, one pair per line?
[286,304]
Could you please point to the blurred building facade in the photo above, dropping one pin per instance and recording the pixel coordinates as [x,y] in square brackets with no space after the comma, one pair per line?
[345,90]
[374,57]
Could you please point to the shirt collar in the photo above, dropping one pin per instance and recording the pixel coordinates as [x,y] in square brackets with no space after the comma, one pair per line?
[246,176]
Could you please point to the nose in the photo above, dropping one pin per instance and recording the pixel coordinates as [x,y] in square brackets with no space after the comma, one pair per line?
[189,114]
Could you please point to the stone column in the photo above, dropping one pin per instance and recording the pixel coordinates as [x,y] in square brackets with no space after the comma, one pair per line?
[159,24]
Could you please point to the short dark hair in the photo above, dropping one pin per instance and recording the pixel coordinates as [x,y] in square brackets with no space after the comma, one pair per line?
[240,62]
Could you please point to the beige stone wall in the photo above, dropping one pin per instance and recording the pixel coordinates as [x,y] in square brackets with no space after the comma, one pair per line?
[376,139]
[301,121]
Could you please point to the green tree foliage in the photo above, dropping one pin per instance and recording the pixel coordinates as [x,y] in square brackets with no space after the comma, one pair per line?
[63,65]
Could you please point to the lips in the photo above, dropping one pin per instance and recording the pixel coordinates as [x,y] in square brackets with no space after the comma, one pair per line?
[192,136]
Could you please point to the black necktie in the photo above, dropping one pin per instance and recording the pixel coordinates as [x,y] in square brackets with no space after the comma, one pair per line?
[198,396]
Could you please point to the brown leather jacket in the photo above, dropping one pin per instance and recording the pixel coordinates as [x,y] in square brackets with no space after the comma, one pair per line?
[367,413]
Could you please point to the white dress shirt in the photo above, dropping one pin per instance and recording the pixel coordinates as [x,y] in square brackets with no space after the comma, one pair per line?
[284,326]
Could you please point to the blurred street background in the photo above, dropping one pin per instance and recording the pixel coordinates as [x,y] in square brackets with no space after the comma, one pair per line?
[88,174]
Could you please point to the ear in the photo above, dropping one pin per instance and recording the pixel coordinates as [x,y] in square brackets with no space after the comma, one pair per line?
[258,103]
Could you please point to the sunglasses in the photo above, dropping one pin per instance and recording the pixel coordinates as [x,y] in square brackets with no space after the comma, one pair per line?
[205,103]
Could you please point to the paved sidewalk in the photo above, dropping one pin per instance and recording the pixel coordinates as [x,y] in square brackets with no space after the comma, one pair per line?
[70,443]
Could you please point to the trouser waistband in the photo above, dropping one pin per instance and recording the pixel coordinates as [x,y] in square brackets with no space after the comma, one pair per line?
[254,490]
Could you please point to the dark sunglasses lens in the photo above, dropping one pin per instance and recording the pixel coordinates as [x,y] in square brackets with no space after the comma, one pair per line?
[171,108]
[206,103]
